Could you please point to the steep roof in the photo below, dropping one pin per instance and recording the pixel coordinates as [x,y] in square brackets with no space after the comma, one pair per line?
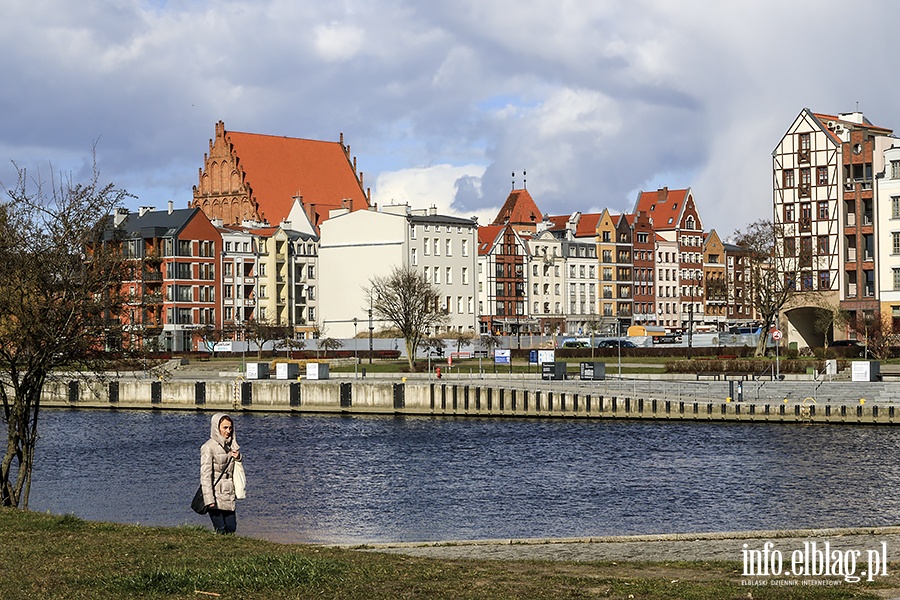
[519,209]
[662,205]
[157,223]
[279,168]
[586,226]
[487,236]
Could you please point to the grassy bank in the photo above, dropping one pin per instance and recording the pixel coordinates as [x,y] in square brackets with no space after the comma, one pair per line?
[48,556]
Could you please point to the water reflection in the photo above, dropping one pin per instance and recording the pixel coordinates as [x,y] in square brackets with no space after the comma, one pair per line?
[358,479]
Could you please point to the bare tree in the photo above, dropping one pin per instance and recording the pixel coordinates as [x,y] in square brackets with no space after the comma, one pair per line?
[406,299]
[775,273]
[462,338]
[828,318]
[490,342]
[61,298]
[432,345]
[330,343]
[265,331]
[878,331]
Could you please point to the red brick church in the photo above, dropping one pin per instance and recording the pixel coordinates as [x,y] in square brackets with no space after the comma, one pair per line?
[250,176]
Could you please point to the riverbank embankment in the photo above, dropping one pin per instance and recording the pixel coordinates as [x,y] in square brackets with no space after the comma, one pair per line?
[493,395]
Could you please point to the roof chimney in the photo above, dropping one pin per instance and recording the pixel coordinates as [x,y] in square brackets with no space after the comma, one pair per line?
[120,216]
[662,193]
[171,206]
[144,210]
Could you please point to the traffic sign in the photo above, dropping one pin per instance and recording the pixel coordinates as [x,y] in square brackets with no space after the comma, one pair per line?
[776,335]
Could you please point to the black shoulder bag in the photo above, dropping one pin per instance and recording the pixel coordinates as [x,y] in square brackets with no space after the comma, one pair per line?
[197,504]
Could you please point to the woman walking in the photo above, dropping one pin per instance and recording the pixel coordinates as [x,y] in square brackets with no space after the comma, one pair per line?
[217,458]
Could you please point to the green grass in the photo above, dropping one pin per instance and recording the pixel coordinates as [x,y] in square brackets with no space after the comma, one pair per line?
[50,556]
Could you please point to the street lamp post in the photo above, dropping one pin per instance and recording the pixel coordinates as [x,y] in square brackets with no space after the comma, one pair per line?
[370,332]
[355,349]
[690,327]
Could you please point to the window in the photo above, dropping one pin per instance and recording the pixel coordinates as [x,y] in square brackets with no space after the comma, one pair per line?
[822,175]
[896,273]
[895,169]
[805,177]
[415,257]
[449,276]
[895,207]
[822,211]
[229,269]
[448,248]
[824,280]
[788,213]
[787,178]
[822,245]
[465,247]
[465,275]
[790,248]
[437,247]
[895,243]
[803,151]
[412,232]
[427,246]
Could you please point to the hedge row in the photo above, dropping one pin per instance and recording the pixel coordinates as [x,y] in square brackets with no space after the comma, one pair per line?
[757,366]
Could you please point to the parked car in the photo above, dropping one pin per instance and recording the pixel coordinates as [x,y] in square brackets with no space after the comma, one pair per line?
[575,344]
[849,348]
[615,344]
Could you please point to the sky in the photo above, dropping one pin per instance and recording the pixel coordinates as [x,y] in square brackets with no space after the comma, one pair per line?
[442,102]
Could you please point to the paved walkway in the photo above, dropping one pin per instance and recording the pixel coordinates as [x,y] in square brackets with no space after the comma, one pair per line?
[656,548]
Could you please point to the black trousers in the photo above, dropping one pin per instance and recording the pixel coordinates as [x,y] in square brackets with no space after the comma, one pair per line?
[224,521]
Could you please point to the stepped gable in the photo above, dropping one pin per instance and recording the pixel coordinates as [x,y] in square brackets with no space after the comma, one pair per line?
[520,211]
[251,176]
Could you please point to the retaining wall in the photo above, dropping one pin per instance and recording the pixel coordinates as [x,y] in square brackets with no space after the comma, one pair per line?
[444,399]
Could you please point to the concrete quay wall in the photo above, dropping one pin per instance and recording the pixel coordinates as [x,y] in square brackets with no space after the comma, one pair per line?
[459,398]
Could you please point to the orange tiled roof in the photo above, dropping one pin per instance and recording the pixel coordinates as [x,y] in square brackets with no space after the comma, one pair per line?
[487,235]
[279,168]
[519,209]
[586,227]
[662,204]
[866,122]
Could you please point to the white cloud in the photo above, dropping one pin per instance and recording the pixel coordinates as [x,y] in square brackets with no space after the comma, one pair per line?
[434,186]
[594,100]
[336,42]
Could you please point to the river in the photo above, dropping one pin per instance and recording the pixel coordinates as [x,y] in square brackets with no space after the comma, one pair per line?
[336,479]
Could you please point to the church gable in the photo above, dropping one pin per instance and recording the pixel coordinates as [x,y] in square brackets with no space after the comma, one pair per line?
[222,192]
[249,176]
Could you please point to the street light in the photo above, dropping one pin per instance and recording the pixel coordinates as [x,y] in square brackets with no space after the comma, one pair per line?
[355,350]
[370,331]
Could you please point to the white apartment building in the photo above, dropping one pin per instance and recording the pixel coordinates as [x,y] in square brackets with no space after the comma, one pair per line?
[240,275]
[888,227]
[357,246]
[668,294]
[562,282]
